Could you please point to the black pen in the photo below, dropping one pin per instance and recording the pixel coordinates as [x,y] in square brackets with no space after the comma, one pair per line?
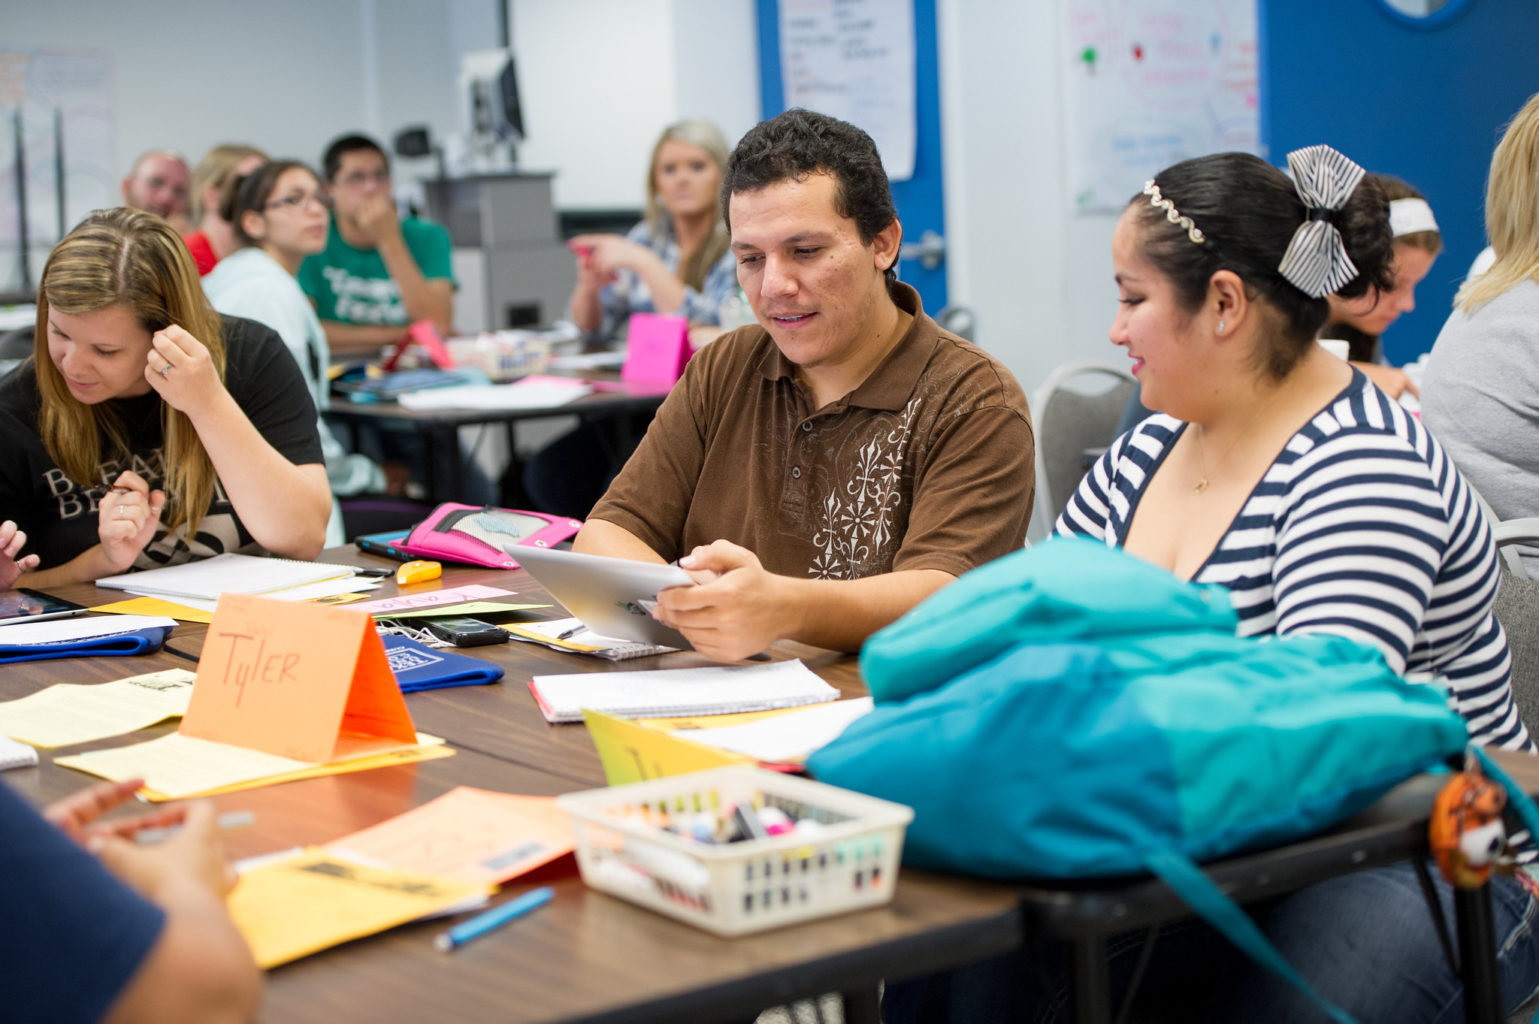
[571,632]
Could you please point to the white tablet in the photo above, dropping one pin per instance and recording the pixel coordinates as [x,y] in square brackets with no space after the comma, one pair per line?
[613,597]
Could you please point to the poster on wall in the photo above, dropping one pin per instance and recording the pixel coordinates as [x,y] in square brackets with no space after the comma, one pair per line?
[854,60]
[55,107]
[1149,83]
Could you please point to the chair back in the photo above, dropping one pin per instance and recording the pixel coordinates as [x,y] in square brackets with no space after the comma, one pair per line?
[1076,411]
[1517,609]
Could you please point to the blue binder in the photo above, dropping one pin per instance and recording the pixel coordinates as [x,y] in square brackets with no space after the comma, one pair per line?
[139,641]
[426,668]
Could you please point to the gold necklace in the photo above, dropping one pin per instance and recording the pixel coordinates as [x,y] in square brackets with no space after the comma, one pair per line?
[1202,460]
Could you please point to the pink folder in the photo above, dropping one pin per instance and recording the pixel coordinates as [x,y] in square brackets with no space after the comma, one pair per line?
[656,348]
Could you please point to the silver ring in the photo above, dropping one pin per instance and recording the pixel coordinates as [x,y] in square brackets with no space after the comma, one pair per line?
[165,369]
[122,512]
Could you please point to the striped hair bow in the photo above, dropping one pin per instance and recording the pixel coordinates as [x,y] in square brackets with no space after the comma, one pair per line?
[1316,262]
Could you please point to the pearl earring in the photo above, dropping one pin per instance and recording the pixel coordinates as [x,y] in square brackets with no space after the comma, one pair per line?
[1221,327]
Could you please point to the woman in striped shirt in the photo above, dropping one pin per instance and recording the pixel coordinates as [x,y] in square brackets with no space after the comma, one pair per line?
[1280,472]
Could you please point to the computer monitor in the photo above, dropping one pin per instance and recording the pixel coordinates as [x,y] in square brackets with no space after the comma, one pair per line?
[493,118]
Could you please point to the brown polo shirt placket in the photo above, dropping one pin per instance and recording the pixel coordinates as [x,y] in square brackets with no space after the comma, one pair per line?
[927,464]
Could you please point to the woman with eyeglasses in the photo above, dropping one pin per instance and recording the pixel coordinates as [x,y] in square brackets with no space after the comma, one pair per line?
[147,430]
[279,217]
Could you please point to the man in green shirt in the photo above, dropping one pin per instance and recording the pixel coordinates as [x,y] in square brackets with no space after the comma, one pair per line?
[378,273]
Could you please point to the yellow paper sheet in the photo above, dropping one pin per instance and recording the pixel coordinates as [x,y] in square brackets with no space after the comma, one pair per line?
[713,721]
[178,766]
[156,606]
[473,835]
[291,908]
[635,753]
[67,713]
[468,608]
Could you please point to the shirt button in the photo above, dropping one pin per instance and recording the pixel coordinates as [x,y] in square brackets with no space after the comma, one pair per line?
[796,472]
[807,427]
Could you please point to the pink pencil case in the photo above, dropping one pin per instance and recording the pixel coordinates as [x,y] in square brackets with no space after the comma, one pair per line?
[477,535]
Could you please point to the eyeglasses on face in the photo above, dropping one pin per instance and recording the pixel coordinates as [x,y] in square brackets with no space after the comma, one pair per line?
[298,201]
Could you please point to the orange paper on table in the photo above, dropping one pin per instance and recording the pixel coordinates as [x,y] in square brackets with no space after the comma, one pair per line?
[471,835]
[298,680]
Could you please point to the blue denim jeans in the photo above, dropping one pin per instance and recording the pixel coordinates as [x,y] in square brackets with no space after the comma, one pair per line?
[1366,941]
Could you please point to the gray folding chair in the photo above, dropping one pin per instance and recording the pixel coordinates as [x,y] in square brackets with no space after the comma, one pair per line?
[1074,415]
[1517,609]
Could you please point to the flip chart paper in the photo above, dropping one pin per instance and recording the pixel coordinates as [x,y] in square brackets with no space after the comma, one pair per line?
[309,683]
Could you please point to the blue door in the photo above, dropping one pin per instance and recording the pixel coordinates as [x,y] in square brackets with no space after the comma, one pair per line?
[1422,100]
[921,207]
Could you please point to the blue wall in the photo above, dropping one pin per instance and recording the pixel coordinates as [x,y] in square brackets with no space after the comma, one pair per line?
[1426,104]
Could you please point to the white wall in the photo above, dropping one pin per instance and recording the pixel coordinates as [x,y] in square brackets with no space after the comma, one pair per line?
[601,79]
[1037,276]
[287,75]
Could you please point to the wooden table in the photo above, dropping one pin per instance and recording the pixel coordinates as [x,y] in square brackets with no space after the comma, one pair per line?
[590,957]
[586,956]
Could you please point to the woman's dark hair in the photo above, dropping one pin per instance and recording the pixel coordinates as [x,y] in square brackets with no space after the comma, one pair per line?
[251,192]
[800,143]
[1247,211]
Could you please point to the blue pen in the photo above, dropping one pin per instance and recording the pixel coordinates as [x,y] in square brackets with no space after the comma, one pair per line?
[493,919]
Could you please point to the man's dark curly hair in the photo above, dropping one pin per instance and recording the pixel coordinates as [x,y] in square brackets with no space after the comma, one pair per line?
[800,143]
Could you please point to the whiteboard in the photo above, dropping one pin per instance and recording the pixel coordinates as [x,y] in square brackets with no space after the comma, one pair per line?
[854,60]
[1149,83]
[42,90]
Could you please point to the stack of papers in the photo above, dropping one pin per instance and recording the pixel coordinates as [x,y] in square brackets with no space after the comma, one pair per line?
[787,737]
[718,690]
[287,909]
[534,392]
[69,713]
[60,631]
[178,766]
[470,835]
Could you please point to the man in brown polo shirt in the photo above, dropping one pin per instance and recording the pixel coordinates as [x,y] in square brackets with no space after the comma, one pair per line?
[820,473]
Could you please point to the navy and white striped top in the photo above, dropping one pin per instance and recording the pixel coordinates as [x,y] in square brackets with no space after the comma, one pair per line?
[1362,528]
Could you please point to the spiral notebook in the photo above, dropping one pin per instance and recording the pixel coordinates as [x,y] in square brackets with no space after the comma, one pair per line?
[227,573]
[572,635]
[667,693]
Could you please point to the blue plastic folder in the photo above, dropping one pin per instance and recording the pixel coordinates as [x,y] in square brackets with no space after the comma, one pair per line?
[139,641]
[425,668]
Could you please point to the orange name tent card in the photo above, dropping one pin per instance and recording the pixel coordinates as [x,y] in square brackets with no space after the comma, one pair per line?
[299,680]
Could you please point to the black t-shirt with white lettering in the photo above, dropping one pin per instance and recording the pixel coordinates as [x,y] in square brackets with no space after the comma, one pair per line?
[59,515]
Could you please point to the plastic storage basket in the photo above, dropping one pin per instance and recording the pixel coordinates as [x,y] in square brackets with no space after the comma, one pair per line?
[747,886]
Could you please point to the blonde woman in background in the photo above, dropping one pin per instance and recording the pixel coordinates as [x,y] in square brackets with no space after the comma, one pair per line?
[675,261]
[214,238]
[146,430]
[1481,393]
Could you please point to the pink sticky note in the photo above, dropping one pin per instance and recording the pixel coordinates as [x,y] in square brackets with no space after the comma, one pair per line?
[656,348]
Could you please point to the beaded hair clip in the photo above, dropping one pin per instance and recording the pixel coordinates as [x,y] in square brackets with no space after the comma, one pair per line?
[1159,202]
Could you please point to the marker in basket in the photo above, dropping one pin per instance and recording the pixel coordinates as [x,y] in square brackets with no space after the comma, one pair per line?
[493,919]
